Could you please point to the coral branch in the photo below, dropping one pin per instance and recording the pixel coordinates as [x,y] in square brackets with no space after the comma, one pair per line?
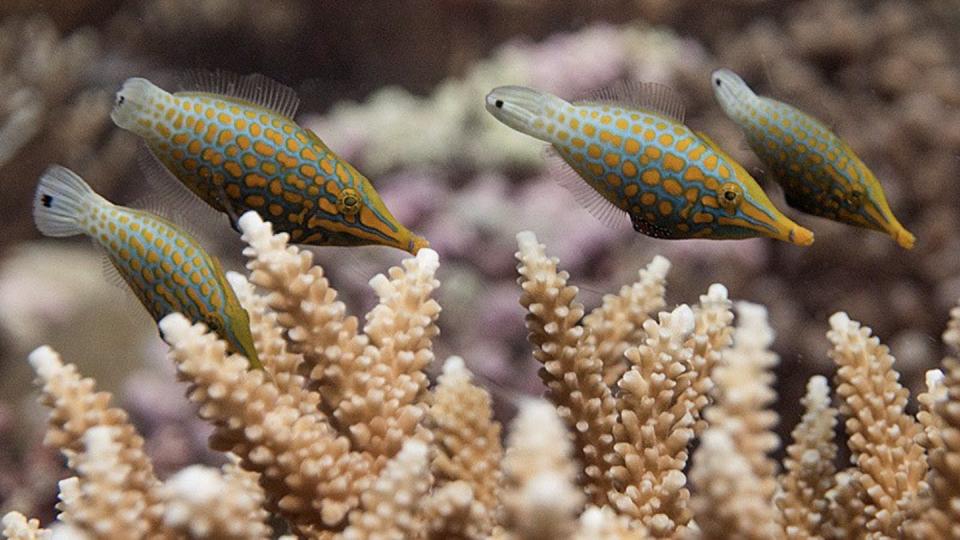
[729,502]
[389,509]
[202,502]
[618,322]
[571,371]
[468,442]
[656,426]
[539,499]
[105,499]
[16,526]
[75,409]
[316,323]
[882,437]
[809,465]
[307,470]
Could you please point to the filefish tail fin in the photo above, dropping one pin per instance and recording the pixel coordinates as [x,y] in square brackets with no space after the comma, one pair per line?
[132,101]
[61,201]
[519,107]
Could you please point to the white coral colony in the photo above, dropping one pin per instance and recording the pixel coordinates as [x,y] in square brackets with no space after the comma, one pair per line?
[342,435]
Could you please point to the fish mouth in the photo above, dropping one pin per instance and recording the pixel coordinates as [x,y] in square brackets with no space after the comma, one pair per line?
[800,236]
[417,243]
[904,238]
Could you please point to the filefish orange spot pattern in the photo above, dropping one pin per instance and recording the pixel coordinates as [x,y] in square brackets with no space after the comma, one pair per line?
[820,174]
[166,268]
[234,144]
[632,149]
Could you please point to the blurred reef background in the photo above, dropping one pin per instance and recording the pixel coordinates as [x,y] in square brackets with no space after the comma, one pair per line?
[399,92]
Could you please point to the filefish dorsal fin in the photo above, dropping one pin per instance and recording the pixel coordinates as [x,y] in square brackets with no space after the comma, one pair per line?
[255,88]
[595,203]
[652,96]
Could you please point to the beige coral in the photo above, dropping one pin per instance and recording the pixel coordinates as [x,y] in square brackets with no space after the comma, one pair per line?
[329,466]
[941,516]
[16,526]
[572,372]
[307,469]
[389,510]
[882,436]
[227,503]
[75,409]
[617,323]
[809,465]
[656,425]
[104,499]
[540,500]
[468,447]
[744,393]
[729,502]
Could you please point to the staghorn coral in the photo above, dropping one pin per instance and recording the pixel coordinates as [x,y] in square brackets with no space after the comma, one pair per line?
[809,465]
[891,465]
[744,383]
[203,502]
[293,461]
[468,447]
[940,517]
[17,527]
[540,500]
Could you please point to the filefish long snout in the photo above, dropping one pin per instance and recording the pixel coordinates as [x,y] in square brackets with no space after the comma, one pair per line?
[234,144]
[820,174]
[164,266]
[631,148]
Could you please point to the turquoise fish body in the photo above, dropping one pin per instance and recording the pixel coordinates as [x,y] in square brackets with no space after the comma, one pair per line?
[670,180]
[820,174]
[237,155]
[166,268]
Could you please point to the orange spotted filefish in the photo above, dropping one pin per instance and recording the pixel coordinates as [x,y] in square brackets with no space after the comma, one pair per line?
[164,266]
[819,173]
[639,160]
[233,143]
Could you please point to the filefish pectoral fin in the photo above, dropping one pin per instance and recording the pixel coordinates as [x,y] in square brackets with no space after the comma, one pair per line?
[592,200]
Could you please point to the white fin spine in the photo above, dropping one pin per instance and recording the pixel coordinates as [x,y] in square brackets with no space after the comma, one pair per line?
[655,97]
[61,201]
[254,88]
[596,204]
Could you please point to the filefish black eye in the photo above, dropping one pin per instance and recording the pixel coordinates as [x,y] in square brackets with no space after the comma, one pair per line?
[854,197]
[47,200]
[717,81]
[498,103]
[120,100]
[348,202]
[731,195]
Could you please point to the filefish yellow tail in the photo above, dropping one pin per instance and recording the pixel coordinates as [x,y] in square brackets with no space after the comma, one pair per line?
[164,266]
[820,174]
[63,203]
